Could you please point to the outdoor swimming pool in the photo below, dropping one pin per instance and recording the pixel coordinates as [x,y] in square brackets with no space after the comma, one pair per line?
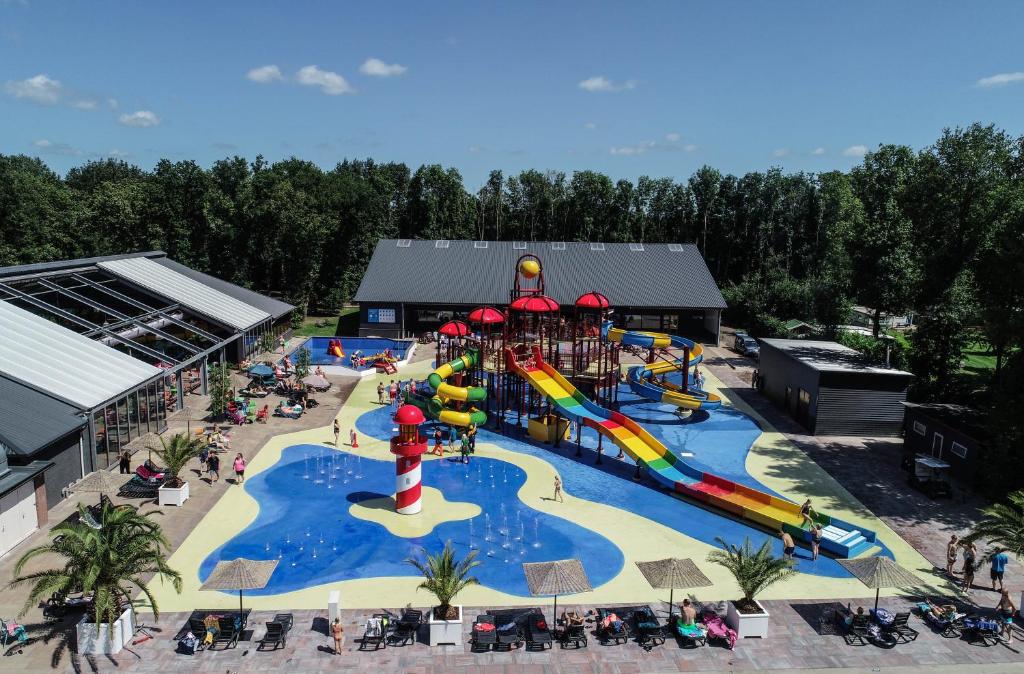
[367,346]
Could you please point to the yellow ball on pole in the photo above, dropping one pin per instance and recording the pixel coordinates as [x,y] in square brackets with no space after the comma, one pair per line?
[529,268]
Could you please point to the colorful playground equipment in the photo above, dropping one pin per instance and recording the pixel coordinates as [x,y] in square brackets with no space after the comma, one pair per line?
[334,348]
[408,447]
[439,405]
[643,379]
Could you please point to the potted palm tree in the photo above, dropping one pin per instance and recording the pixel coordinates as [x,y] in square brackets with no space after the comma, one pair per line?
[444,577]
[754,571]
[1002,525]
[106,556]
[175,455]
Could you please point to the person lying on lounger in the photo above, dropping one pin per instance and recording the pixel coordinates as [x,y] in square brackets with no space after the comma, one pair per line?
[942,611]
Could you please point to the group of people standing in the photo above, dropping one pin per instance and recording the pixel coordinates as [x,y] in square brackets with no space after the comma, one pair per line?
[466,438]
[394,392]
[1005,608]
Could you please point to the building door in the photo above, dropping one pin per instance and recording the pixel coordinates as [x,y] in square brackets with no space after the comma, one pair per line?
[18,517]
[803,407]
[937,445]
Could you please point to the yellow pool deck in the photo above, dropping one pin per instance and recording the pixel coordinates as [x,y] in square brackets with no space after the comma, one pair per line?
[773,460]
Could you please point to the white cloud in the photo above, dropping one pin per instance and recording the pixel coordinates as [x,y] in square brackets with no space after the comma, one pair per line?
[139,118]
[112,103]
[330,83]
[600,83]
[633,150]
[39,89]
[1001,80]
[49,147]
[85,104]
[377,68]
[673,137]
[855,151]
[818,151]
[265,74]
[118,154]
[589,125]
[780,152]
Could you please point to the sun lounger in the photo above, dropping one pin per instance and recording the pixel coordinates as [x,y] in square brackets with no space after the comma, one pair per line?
[948,623]
[228,632]
[611,628]
[12,633]
[375,633]
[484,635]
[198,629]
[901,628]
[717,629]
[977,629]
[508,636]
[277,634]
[575,634]
[649,630]
[691,634]
[538,634]
[857,630]
[407,628]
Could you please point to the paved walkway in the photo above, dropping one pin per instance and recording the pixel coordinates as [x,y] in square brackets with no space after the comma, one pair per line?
[794,643]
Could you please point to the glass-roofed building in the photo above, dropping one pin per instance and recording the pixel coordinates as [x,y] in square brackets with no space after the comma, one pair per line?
[108,347]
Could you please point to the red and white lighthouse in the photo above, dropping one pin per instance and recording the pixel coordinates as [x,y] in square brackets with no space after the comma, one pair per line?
[408,446]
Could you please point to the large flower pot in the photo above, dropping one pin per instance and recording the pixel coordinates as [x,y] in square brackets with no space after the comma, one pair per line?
[98,639]
[175,496]
[748,624]
[445,632]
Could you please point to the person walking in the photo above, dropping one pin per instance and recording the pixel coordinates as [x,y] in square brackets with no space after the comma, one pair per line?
[213,468]
[438,441]
[338,632]
[558,490]
[125,463]
[465,448]
[380,394]
[999,561]
[951,550]
[788,546]
[816,534]
[239,466]
[337,432]
[1005,610]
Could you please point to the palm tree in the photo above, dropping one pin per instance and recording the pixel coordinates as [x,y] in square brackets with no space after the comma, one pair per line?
[176,454]
[444,577]
[1002,524]
[753,571]
[106,556]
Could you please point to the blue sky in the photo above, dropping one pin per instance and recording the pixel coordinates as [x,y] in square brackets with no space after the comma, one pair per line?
[655,88]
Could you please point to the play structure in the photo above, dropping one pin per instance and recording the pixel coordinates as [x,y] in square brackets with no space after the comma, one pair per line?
[538,366]
[334,348]
[408,446]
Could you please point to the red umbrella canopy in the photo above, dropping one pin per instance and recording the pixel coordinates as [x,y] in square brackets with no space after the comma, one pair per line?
[593,300]
[537,304]
[486,315]
[409,415]
[454,329]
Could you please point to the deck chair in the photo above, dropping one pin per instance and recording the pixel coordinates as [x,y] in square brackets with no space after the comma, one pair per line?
[649,630]
[611,628]
[484,635]
[718,630]
[407,628]
[375,633]
[198,628]
[901,628]
[12,635]
[575,634]
[227,633]
[977,629]
[857,632]
[250,414]
[948,624]
[276,635]
[508,636]
[538,634]
[694,634]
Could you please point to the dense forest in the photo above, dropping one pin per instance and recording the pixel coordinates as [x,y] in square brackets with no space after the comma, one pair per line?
[939,231]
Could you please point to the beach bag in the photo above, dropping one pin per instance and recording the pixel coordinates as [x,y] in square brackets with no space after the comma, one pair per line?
[187,644]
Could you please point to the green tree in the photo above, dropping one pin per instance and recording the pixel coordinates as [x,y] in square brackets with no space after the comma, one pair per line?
[219,378]
[110,562]
[754,570]
[444,576]
[303,359]
[1002,524]
[705,185]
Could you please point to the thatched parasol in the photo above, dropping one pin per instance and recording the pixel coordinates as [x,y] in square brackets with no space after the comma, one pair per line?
[98,482]
[189,414]
[672,573]
[240,574]
[878,572]
[150,442]
[562,576]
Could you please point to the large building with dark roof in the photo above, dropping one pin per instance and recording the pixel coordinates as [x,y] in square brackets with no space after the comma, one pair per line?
[412,286]
[98,352]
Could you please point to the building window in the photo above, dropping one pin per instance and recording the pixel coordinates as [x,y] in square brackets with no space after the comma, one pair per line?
[100,439]
[920,428]
[959,450]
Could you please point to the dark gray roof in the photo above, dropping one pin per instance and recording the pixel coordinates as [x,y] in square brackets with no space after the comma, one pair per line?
[19,475]
[828,356]
[481,272]
[275,308]
[30,420]
[60,265]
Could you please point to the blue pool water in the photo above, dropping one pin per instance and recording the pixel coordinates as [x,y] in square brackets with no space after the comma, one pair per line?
[297,513]
[368,346]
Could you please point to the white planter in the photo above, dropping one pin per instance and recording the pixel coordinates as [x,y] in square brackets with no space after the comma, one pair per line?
[96,639]
[445,632]
[175,496]
[748,624]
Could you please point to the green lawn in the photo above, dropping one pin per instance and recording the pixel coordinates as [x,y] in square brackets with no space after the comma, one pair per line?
[349,316]
[978,357]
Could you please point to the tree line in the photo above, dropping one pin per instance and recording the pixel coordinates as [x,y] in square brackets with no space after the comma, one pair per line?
[938,230]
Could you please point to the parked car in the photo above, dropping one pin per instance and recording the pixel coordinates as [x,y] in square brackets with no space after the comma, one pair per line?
[750,347]
[737,342]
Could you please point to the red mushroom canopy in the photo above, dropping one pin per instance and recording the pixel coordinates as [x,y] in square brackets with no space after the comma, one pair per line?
[486,315]
[409,415]
[593,300]
[454,329]
[537,304]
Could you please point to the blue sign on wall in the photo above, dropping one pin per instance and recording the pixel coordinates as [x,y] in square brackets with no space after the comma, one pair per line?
[380,315]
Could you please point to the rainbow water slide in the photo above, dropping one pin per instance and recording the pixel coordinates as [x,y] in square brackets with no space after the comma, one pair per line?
[840,538]
[642,378]
[437,406]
